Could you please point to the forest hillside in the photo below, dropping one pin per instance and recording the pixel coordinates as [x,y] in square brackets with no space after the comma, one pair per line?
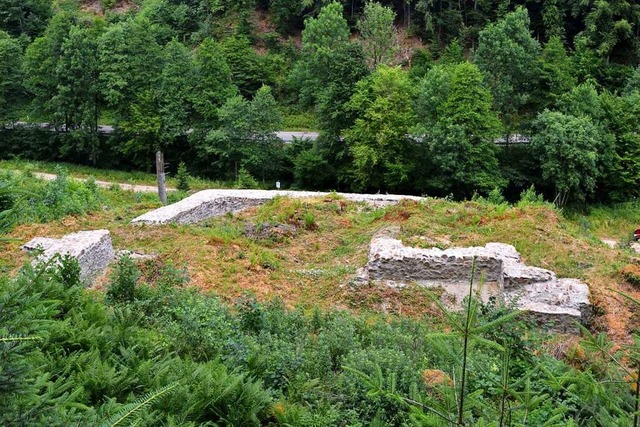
[445,98]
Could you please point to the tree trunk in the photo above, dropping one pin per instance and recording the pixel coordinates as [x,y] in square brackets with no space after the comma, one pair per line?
[162,183]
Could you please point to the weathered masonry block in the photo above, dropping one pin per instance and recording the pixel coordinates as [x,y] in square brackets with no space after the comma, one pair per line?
[93,250]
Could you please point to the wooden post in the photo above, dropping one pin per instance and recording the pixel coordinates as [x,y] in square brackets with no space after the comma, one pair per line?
[162,183]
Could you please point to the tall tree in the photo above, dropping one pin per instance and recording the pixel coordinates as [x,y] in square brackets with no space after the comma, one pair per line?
[508,56]
[621,180]
[342,70]
[212,83]
[10,77]
[326,32]
[25,17]
[41,63]
[246,137]
[458,126]
[378,33]
[248,69]
[79,95]
[553,12]
[609,28]
[379,140]
[587,64]
[327,73]
[557,74]
[175,92]
[582,100]
[321,38]
[132,63]
[568,148]
[433,90]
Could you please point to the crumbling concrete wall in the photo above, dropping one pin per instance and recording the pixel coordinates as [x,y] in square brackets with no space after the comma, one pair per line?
[93,250]
[553,303]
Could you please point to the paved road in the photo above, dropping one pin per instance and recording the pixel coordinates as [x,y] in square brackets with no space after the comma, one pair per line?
[286,136]
[137,188]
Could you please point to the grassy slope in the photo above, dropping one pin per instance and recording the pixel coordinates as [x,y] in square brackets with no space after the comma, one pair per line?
[78,171]
[313,262]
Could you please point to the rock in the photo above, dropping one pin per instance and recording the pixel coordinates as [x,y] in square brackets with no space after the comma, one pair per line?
[635,246]
[92,249]
[559,304]
[518,274]
[211,203]
[609,242]
[504,251]
[556,304]
[136,256]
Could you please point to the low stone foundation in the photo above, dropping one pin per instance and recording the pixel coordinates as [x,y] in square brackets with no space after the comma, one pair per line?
[553,303]
[211,203]
[92,249]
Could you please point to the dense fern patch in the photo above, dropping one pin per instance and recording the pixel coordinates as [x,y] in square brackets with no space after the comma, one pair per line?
[167,355]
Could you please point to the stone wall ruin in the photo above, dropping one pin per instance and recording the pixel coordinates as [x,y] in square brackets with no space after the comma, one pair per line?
[93,250]
[212,203]
[553,303]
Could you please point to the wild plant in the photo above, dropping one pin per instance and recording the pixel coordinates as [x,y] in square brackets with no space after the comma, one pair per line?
[183,178]
[122,285]
[470,331]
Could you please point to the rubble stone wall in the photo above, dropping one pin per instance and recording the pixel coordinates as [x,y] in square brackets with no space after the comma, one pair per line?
[556,304]
[93,250]
[211,203]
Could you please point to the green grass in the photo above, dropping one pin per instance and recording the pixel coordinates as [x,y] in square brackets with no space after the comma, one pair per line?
[117,176]
[296,121]
[614,222]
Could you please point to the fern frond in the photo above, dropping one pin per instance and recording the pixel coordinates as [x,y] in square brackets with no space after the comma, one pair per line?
[127,414]
[18,338]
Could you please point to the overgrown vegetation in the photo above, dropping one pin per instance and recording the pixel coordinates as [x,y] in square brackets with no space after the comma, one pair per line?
[29,200]
[147,348]
[171,355]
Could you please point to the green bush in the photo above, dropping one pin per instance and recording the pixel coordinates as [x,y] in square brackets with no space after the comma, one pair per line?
[529,197]
[122,285]
[245,180]
[34,200]
[183,178]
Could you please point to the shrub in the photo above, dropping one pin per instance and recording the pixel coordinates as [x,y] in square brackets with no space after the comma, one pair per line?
[183,178]
[495,197]
[122,286]
[68,271]
[529,197]
[310,221]
[245,180]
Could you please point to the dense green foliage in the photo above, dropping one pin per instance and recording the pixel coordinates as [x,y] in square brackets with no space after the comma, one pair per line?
[31,200]
[159,354]
[181,76]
